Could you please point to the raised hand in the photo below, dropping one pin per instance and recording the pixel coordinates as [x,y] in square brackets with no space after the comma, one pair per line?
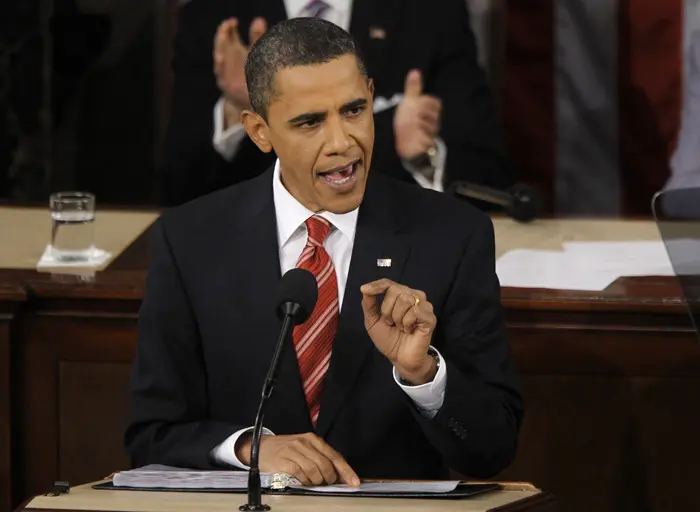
[401,328]
[416,120]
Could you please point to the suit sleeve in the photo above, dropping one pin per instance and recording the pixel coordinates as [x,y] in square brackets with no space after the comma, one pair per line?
[477,427]
[169,423]
[469,124]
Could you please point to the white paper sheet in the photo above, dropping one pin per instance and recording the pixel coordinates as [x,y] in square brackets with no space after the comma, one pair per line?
[590,266]
[529,268]
[625,258]
[97,258]
[437,486]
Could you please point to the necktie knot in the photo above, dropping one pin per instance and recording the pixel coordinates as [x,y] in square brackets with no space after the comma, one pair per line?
[316,8]
[318,229]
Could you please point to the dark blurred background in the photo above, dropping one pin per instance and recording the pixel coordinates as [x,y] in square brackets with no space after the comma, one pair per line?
[83,87]
[590,96]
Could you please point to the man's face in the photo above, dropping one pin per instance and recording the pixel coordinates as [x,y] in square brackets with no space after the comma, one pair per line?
[320,124]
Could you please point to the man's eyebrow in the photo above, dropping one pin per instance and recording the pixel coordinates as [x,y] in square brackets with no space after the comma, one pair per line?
[319,116]
[360,102]
[307,117]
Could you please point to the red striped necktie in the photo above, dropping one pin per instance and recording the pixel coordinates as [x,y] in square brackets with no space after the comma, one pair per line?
[313,340]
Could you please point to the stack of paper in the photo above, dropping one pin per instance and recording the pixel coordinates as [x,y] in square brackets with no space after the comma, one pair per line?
[583,265]
[166,477]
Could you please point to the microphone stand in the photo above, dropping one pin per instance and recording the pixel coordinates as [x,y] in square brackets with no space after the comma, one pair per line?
[255,504]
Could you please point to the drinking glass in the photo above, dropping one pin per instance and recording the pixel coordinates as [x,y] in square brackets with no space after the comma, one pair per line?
[72,226]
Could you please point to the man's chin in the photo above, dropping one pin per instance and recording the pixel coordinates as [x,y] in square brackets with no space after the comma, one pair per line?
[345,203]
[340,202]
[343,206]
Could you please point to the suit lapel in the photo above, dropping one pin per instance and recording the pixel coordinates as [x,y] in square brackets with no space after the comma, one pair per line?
[375,239]
[257,239]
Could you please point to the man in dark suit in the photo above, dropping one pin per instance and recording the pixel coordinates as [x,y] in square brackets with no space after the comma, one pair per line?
[406,387]
[433,112]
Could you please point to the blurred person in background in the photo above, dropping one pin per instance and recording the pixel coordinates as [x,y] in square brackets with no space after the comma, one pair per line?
[685,164]
[435,118]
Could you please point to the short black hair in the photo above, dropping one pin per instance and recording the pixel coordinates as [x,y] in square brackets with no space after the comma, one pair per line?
[290,43]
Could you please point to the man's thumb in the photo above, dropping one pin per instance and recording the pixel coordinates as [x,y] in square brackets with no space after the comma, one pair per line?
[414,84]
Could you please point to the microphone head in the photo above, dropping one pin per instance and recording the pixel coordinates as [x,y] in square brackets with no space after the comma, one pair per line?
[526,203]
[297,293]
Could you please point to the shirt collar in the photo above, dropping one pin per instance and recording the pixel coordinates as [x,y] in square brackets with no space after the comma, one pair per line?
[291,214]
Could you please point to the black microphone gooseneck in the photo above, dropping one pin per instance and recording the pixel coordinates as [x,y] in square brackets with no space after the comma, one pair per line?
[297,295]
[522,202]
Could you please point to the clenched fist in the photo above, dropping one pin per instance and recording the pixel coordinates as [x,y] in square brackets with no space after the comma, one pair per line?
[306,457]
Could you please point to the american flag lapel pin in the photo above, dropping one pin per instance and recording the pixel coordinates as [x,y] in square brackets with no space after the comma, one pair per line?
[377,33]
[384,262]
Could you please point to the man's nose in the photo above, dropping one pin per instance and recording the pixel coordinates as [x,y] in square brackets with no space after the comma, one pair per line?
[337,139]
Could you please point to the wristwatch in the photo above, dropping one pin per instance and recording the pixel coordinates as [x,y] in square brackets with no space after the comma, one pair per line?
[425,163]
[432,353]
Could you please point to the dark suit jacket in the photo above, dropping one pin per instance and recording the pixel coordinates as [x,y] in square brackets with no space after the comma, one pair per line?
[434,37]
[208,326]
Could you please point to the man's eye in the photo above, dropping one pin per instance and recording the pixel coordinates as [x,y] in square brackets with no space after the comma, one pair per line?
[308,124]
[355,111]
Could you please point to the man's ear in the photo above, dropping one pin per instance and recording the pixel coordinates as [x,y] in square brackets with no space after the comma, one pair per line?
[370,86]
[257,129]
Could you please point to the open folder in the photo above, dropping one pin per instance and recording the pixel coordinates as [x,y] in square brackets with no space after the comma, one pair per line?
[165,478]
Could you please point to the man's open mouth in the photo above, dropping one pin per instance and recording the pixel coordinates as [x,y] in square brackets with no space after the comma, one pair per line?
[341,176]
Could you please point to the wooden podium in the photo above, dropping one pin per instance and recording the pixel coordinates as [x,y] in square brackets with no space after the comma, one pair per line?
[513,498]
[607,375]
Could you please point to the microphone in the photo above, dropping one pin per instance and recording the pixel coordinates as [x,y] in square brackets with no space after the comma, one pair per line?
[296,298]
[521,202]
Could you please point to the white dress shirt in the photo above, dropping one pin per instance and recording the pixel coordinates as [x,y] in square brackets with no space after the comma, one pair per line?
[291,217]
[226,142]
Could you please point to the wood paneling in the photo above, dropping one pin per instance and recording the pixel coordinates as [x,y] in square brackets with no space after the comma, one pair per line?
[74,394]
[11,296]
[93,411]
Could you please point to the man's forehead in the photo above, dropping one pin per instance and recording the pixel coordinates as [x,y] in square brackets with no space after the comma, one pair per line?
[332,79]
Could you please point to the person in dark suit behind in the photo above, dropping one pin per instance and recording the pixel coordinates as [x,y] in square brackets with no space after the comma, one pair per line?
[406,387]
[435,119]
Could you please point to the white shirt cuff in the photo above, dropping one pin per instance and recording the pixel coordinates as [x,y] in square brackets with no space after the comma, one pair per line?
[438,162]
[226,142]
[225,453]
[428,397]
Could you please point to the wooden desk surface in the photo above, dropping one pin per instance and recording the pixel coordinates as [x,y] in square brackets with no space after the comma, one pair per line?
[126,235]
[25,232]
[84,498]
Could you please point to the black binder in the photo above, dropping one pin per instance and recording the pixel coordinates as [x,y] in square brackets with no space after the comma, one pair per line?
[463,490]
